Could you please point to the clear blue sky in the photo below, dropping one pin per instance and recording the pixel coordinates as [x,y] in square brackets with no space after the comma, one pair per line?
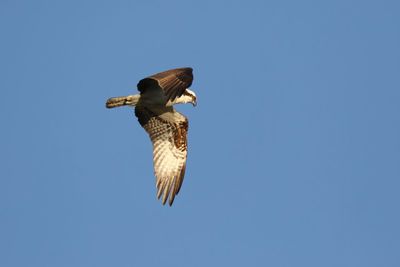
[294,147]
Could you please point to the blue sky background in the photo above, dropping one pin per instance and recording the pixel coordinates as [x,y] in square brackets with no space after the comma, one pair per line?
[294,153]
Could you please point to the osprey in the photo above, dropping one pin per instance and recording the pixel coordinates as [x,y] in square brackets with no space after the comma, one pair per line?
[166,127]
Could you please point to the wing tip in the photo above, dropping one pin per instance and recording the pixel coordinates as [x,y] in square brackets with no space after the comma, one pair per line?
[168,190]
[188,70]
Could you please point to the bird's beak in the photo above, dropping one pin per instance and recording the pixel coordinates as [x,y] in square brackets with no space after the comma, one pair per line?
[194,103]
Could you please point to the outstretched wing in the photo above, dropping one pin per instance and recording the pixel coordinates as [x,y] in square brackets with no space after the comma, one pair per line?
[168,133]
[172,82]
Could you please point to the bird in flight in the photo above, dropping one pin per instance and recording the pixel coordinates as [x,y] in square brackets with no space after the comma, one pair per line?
[166,127]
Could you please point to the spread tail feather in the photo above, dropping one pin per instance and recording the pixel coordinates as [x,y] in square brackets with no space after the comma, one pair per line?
[130,100]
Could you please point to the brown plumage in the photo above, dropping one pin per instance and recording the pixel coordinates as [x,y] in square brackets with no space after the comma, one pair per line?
[172,82]
[166,127]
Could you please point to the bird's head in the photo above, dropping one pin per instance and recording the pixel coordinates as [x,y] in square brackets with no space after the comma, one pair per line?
[190,97]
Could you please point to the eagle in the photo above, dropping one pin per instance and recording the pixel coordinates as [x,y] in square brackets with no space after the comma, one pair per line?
[166,127]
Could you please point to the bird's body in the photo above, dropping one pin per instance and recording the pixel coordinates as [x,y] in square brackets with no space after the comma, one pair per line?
[166,127]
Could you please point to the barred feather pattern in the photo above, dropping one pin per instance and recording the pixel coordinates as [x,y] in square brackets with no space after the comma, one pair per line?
[169,140]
